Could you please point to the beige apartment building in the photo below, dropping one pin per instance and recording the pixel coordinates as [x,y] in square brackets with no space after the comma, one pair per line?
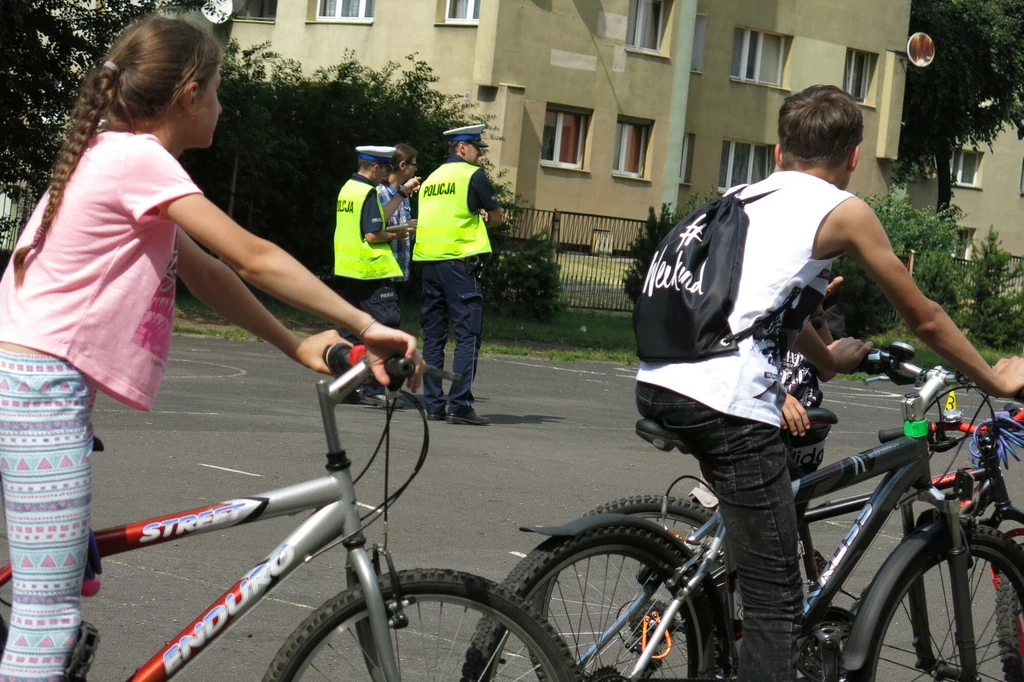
[611,106]
[988,184]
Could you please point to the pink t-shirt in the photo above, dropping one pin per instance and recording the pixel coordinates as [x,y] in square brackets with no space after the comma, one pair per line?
[100,291]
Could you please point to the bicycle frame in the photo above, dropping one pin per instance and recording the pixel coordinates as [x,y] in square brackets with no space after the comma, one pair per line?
[334,500]
[904,463]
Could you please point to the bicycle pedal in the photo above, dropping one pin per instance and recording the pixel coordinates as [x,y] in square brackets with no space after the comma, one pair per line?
[83,654]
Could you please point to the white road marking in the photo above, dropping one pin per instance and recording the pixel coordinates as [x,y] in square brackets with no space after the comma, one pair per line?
[238,371]
[234,471]
[518,554]
[365,506]
[193,414]
[557,369]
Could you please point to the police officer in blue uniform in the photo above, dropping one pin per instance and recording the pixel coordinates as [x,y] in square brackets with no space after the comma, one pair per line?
[457,205]
[362,255]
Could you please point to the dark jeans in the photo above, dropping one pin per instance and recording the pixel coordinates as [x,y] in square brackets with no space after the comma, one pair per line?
[378,298]
[755,497]
[450,293]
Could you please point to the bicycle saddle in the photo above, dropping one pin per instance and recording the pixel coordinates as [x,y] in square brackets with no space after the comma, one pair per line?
[658,436]
[821,415]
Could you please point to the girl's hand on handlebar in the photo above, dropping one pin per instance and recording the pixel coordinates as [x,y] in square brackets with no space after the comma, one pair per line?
[794,417]
[1011,376]
[310,351]
[382,342]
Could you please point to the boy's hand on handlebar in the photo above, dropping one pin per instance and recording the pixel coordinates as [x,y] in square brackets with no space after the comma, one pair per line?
[310,351]
[848,352]
[382,342]
[794,417]
[1010,373]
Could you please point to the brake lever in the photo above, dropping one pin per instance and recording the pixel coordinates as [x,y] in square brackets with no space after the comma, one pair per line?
[441,373]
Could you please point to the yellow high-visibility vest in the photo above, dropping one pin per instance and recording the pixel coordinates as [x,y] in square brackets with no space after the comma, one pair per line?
[353,255]
[445,228]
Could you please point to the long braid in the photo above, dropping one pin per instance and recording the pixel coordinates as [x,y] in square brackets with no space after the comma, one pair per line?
[99,91]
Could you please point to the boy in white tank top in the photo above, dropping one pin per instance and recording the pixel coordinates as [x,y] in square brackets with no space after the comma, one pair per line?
[726,408]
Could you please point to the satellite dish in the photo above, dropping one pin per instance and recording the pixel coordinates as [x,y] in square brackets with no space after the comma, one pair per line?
[920,49]
[217,11]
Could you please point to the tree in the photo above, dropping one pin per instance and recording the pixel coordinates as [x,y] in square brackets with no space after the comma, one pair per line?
[970,92]
[285,143]
[993,315]
[47,47]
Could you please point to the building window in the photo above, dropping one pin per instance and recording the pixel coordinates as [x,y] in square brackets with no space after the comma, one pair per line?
[346,10]
[857,78]
[686,163]
[700,32]
[645,24]
[964,167]
[757,57]
[257,9]
[631,148]
[743,164]
[564,137]
[467,11]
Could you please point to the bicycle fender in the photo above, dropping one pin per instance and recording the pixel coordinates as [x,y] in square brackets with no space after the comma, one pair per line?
[591,522]
[927,539]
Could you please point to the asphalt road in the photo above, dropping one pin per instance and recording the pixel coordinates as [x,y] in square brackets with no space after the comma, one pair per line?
[236,418]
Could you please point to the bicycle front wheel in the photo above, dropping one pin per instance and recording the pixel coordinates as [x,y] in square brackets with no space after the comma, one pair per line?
[918,639]
[444,609]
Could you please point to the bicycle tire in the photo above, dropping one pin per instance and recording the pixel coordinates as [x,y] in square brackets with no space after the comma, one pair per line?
[1009,628]
[534,580]
[986,544]
[464,591]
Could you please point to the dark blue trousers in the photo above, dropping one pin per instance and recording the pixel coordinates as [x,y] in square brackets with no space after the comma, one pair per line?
[450,294]
[378,298]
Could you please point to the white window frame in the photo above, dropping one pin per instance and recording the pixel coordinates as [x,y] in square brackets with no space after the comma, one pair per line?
[745,56]
[361,19]
[700,30]
[688,140]
[580,151]
[849,76]
[956,165]
[472,12]
[639,24]
[750,163]
[620,155]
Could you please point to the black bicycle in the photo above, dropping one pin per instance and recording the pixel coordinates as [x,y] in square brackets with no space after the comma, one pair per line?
[636,600]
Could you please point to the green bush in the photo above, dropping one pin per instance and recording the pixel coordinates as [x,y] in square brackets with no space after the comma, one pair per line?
[525,280]
[932,236]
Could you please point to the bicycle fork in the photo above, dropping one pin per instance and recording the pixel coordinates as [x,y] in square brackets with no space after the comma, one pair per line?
[958,563]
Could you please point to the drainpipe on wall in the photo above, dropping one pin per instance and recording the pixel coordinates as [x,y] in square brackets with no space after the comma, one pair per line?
[687,18]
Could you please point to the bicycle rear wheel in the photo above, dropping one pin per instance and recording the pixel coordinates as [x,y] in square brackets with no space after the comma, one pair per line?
[906,650]
[445,609]
[585,584]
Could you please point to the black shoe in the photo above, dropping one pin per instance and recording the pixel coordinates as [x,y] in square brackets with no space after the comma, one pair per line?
[466,415]
[380,401]
[436,416]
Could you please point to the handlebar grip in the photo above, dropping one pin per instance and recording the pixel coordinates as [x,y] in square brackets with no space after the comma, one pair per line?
[337,358]
[886,435]
[399,368]
[340,358]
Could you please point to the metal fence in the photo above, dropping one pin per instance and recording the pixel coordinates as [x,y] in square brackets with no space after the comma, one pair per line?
[14,212]
[591,250]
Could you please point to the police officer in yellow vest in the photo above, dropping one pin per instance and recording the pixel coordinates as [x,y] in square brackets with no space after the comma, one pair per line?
[457,205]
[362,255]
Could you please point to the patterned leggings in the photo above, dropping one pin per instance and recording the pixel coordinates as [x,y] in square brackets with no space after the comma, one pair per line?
[45,446]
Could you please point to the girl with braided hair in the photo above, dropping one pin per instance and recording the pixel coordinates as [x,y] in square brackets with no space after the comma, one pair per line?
[87,303]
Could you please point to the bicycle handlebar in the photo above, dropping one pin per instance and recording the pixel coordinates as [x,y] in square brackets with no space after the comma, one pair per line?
[340,358]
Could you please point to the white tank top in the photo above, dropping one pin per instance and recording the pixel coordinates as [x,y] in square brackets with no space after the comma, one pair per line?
[777,259]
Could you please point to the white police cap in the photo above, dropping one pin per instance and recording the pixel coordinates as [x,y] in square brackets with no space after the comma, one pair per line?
[466,134]
[376,153]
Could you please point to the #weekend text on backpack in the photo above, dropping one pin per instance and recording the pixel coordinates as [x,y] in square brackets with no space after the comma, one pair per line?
[682,314]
